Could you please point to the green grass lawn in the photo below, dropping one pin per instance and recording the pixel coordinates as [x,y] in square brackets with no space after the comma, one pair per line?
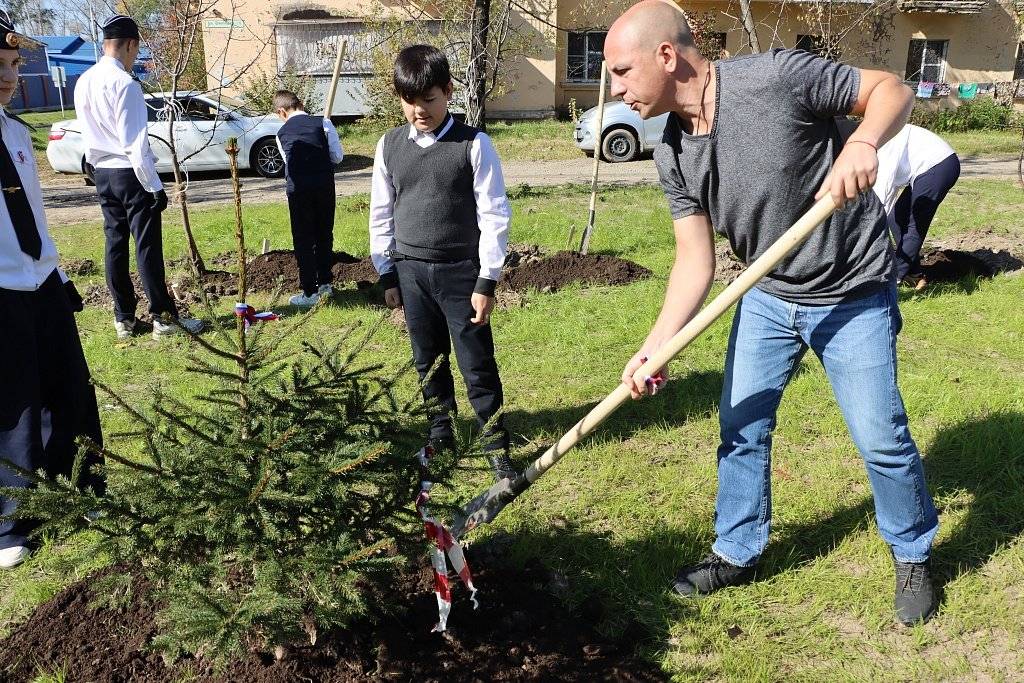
[622,512]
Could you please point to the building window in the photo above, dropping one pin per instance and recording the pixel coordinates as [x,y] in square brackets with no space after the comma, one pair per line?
[926,60]
[1018,69]
[810,43]
[586,50]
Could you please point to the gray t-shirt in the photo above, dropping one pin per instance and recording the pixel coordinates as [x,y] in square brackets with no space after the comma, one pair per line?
[772,142]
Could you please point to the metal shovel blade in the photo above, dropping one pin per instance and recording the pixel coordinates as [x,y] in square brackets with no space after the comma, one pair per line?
[485,507]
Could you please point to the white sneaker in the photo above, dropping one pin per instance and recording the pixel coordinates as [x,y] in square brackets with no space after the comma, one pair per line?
[302,301]
[13,556]
[325,290]
[125,328]
[162,329]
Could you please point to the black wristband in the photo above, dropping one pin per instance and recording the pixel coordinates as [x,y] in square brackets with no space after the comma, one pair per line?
[389,280]
[485,286]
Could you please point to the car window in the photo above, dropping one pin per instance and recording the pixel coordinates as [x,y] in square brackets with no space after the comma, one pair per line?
[197,110]
[155,109]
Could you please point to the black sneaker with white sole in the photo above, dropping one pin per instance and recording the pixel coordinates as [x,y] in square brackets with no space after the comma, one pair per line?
[915,593]
[709,575]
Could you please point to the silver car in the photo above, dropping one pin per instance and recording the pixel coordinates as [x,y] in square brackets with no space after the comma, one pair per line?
[626,135]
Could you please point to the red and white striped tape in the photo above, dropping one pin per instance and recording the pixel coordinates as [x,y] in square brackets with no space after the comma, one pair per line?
[441,543]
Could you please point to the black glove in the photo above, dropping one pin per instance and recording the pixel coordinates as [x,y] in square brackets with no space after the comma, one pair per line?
[77,304]
[159,201]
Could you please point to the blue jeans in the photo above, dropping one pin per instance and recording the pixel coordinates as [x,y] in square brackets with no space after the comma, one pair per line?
[856,343]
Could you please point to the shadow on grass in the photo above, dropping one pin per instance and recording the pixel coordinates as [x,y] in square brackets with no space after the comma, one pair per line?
[984,458]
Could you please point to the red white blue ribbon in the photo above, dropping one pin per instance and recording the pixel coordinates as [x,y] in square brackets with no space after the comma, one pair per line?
[441,543]
[251,316]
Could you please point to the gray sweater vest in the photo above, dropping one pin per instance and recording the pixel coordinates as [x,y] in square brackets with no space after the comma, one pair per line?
[435,208]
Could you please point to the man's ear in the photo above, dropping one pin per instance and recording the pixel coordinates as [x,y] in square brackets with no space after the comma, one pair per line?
[449,89]
[667,57]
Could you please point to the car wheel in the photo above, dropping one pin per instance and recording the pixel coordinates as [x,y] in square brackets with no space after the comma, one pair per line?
[620,145]
[265,158]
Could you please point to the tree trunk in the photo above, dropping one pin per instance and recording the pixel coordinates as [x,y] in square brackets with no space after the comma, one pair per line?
[194,257]
[748,25]
[476,72]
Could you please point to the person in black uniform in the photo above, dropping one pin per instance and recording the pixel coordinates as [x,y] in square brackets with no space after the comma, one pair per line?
[311,149]
[46,400]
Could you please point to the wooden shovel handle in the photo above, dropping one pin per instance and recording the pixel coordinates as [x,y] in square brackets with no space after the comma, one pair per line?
[329,107]
[789,241]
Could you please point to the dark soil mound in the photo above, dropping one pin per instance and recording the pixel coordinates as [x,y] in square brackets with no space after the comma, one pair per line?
[266,272]
[519,633]
[567,267]
[950,265]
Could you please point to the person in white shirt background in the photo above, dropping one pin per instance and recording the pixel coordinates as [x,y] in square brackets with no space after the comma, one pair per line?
[111,106]
[916,169]
[46,400]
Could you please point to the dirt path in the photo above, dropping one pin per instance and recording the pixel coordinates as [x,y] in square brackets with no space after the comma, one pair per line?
[73,202]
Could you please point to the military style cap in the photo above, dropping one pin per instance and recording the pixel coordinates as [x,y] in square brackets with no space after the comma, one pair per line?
[11,39]
[120,26]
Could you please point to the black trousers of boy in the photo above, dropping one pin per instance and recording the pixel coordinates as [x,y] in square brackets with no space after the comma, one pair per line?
[438,312]
[312,216]
[914,211]
[128,212]
[46,400]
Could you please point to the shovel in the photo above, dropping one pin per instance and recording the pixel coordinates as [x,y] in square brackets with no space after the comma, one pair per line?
[485,507]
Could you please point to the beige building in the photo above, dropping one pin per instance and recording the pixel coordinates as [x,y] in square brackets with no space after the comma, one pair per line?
[942,41]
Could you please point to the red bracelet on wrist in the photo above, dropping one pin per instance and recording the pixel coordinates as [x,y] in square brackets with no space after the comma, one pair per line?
[863,142]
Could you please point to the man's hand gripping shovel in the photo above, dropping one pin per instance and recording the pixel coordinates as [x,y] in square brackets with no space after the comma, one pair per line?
[485,507]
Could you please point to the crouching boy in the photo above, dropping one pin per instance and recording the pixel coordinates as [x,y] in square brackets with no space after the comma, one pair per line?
[311,149]
[438,233]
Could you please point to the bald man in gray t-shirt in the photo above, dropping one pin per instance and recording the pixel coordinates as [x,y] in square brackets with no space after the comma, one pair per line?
[750,144]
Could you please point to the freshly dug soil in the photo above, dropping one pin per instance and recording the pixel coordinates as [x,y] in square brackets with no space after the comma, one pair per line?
[983,253]
[520,633]
[266,272]
[568,267]
[99,295]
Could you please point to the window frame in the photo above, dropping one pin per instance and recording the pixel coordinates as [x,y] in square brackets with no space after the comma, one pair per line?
[587,52]
[919,73]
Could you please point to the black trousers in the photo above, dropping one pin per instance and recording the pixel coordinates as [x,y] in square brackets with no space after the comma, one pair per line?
[46,400]
[436,298]
[127,210]
[915,209]
[312,215]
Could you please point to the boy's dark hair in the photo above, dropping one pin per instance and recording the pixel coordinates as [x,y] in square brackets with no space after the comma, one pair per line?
[287,100]
[419,68]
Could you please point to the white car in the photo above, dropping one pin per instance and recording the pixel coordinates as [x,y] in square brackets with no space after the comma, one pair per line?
[626,135]
[201,128]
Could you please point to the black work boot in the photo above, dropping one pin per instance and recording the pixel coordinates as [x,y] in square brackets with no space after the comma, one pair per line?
[915,594]
[709,575]
[502,466]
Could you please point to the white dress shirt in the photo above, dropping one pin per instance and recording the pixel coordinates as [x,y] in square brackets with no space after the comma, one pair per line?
[333,141]
[492,209]
[910,153]
[18,270]
[112,110]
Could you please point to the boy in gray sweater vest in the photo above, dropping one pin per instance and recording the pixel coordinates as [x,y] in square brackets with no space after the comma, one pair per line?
[438,233]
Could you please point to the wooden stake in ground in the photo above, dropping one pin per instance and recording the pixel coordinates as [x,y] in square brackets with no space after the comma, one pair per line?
[329,106]
[599,133]
[242,356]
